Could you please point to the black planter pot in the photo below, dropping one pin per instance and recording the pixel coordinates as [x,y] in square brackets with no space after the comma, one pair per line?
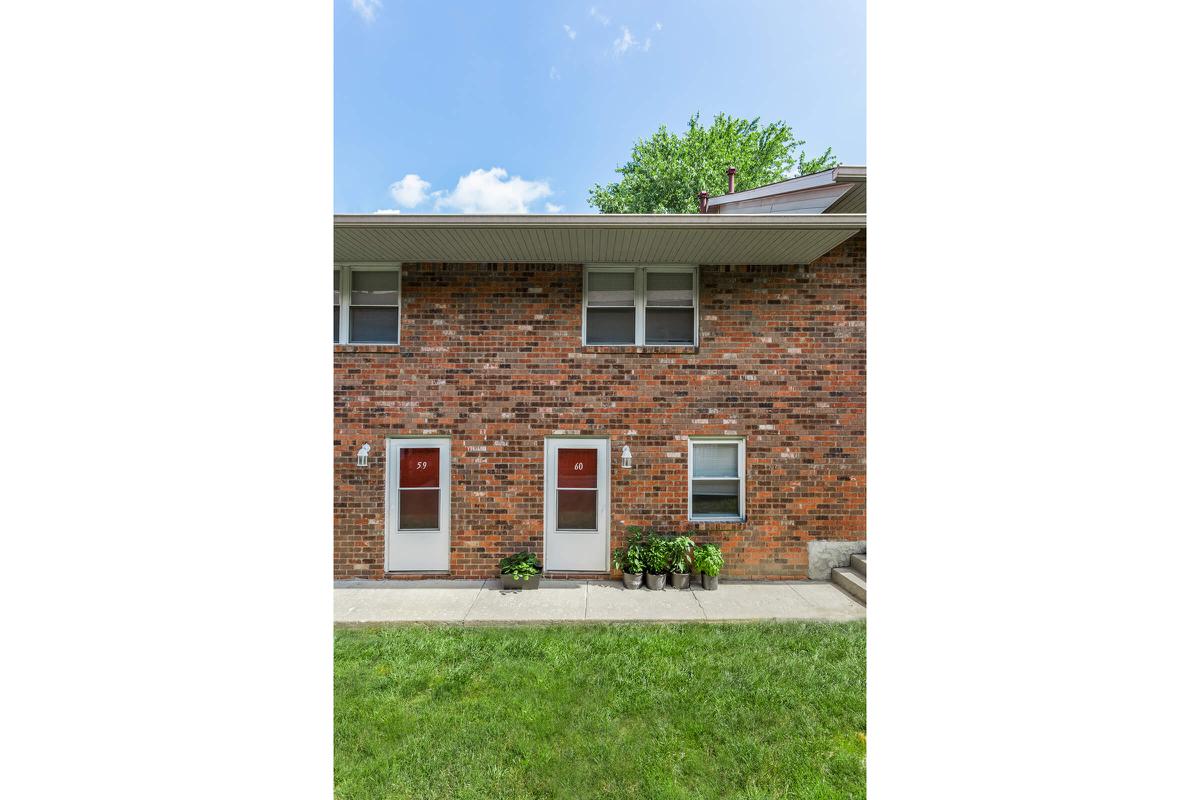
[656,582]
[633,581]
[681,580]
[509,582]
[710,582]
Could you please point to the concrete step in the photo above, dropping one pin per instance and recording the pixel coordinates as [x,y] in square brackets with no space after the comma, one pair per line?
[858,563]
[854,584]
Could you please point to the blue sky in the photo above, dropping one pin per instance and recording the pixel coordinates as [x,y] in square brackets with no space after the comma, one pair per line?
[521,106]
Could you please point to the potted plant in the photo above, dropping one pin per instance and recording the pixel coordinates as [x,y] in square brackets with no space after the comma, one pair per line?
[631,559]
[657,559]
[628,559]
[679,562]
[520,571]
[709,561]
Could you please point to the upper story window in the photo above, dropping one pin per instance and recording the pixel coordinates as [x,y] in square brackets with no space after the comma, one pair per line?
[640,306]
[366,305]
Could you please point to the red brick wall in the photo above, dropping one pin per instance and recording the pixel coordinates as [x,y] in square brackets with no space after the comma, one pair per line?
[490,356]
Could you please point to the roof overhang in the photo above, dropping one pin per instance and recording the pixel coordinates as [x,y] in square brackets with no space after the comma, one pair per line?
[841,174]
[591,238]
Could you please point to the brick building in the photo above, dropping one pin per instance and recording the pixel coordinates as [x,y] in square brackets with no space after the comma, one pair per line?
[504,383]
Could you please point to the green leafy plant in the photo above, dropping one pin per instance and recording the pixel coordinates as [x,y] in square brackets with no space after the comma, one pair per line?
[645,550]
[665,171]
[708,559]
[522,566]
[629,559]
[619,555]
[637,534]
[680,554]
[657,554]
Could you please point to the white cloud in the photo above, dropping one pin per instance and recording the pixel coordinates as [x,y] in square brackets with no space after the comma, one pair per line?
[410,191]
[624,41]
[570,32]
[627,41]
[493,192]
[367,8]
[555,74]
[388,211]
[596,15]
[553,209]
[658,26]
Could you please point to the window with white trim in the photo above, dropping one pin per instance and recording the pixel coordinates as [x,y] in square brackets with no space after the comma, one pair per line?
[716,479]
[640,306]
[366,304]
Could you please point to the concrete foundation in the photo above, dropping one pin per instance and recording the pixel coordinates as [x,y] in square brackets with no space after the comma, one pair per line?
[824,556]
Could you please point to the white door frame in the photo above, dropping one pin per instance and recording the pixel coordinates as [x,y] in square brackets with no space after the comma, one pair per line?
[582,551]
[417,550]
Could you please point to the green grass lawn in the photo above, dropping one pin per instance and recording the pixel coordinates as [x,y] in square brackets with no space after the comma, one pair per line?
[622,711]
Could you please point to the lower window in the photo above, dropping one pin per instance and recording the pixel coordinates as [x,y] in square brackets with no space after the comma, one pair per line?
[717,479]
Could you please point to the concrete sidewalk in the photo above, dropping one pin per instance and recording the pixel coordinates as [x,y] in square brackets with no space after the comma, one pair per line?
[485,603]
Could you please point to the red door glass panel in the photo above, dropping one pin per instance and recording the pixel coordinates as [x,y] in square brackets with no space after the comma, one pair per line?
[417,509]
[419,467]
[577,510]
[577,468]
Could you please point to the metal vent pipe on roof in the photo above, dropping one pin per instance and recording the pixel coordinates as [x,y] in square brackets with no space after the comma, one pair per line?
[731,172]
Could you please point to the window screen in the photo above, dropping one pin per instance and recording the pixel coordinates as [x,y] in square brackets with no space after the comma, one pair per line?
[374,306]
[611,307]
[670,318]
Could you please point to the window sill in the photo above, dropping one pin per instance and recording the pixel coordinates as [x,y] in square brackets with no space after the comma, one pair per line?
[366,348]
[718,520]
[643,349]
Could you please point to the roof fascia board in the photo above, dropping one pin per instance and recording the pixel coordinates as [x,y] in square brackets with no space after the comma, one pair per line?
[604,221]
[849,174]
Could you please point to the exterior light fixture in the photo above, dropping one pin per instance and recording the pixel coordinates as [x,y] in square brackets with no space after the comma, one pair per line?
[626,457]
[363,453]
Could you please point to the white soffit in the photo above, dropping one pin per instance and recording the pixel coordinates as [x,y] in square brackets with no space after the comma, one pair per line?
[591,238]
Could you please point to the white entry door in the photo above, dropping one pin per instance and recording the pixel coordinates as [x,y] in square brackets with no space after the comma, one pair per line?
[576,508]
[418,505]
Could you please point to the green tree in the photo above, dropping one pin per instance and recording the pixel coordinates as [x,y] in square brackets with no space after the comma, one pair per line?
[666,172]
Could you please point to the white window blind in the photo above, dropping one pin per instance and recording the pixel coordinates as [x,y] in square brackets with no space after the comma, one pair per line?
[715,460]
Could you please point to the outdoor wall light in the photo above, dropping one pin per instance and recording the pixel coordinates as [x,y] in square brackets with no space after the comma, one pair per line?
[626,457]
[363,453]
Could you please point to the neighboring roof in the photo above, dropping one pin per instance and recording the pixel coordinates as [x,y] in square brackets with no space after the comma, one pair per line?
[591,238]
[840,190]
